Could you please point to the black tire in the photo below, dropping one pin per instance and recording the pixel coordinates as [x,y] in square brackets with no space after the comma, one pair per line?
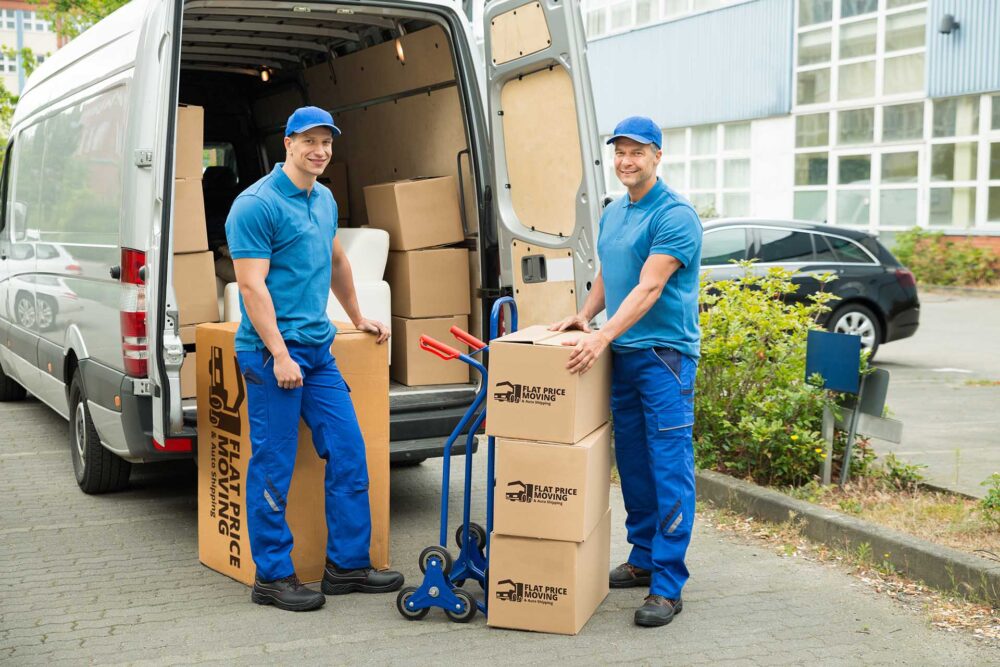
[857,319]
[440,553]
[466,614]
[478,535]
[97,470]
[10,390]
[409,614]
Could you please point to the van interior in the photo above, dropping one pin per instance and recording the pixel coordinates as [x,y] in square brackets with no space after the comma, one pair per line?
[390,82]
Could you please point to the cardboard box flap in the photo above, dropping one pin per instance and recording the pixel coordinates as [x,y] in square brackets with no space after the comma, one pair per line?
[539,334]
[557,339]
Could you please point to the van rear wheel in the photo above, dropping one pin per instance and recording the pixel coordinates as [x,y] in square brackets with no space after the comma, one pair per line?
[10,390]
[97,469]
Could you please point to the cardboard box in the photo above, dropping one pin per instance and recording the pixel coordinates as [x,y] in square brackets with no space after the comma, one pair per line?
[533,397]
[224,450]
[189,142]
[547,585]
[190,227]
[194,286]
[412,366]
[189,376]
[429,283]
[188,333]
[335,178]
[552,491]
[417,213]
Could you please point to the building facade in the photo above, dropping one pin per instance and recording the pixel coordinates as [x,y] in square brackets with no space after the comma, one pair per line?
[876,114]
[21,26]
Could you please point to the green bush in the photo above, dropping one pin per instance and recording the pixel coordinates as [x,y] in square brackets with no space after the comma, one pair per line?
[990,505]
[937,260]
[900,475]
[755,415]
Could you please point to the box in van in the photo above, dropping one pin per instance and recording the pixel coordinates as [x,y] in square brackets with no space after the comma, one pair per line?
[415,367]
[417,213]
[429,283]
[190,230]
[190,132]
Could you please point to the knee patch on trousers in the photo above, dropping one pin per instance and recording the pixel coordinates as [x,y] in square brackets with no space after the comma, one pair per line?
[672,521]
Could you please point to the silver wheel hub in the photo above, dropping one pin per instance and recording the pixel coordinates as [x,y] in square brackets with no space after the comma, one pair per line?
[26,313]
[857,324]
[80,429]
[43,311]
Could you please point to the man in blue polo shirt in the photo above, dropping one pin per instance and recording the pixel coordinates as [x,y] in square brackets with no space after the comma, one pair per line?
[649,246]
[282,236]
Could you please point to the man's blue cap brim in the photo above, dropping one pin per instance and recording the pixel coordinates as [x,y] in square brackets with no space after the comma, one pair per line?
[633,137]
[333,128]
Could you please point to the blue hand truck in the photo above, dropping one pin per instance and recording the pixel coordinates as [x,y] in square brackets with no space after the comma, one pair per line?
[443,575]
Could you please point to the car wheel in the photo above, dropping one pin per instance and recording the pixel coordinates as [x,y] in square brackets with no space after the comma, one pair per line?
[45,313]
[10,390]
[858,320]
[97,469]
[24,310]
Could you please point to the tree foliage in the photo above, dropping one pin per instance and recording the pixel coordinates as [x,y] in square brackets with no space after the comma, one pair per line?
[71,17]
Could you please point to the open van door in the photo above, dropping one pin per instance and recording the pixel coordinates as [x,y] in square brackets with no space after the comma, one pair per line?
[547,160]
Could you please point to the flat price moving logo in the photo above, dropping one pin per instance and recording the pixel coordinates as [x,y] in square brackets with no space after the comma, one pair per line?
[226,487]
[512,392]
[522,492]
[517,591]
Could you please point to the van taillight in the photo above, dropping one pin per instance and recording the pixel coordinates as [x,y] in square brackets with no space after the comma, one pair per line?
[906,278]
[135,350]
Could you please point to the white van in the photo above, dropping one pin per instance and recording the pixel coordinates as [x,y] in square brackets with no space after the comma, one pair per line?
[88,182]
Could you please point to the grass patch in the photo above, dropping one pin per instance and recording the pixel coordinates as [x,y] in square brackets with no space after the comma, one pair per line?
[943,518]
[982,383]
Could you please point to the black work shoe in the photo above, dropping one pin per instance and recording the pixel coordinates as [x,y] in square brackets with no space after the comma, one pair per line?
[627,575]
[657,610]
[288,594]
[337,581]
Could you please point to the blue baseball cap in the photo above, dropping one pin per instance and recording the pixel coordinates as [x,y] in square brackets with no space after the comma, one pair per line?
[306,118]
[638,128]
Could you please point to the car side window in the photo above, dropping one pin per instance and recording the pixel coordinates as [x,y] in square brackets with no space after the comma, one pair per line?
[785,245]
[824,251]
[849,251]
[46,251]
[722,246]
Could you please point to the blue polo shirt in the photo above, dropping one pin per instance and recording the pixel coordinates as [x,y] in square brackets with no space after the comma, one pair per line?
[273,219]
[661,223]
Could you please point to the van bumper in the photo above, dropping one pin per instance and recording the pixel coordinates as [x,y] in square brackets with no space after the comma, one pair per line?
[137,422]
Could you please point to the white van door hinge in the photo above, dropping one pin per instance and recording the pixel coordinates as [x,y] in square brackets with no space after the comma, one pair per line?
[141,387]
[144,158]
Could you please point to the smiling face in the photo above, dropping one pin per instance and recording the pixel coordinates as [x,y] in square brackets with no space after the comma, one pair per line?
[310,151]
[635,163]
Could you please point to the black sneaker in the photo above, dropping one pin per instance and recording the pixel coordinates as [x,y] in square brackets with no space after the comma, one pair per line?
[338,581]
[288,594]
[627,575]
[657,610]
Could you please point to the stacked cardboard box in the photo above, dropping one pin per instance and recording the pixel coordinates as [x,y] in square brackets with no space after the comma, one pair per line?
[224,450]
[194,265]
[550,548]
[429,281]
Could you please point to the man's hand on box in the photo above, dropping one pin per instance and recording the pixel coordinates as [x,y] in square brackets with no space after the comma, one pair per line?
[585,352]
[287,372]
[374,327]
[573,322]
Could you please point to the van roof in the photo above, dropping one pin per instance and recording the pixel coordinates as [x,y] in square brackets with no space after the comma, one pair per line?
[124,22]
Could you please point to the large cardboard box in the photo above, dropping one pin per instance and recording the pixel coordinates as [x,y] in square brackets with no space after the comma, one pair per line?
[412,366]
[552,491]
[190,141]
[189,375]
[224,450]
[417,213]
[533,397]
[547,585]
[335,178]
[190,228]
[194,286]
[429,283]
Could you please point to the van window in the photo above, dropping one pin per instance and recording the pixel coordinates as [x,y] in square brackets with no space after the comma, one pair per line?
[219,157]
[723,245]
[784,245]
[26,187]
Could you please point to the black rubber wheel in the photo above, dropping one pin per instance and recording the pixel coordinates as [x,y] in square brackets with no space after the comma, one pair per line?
[409,614]
[859,320]
[440,553]
[466,614]
[10,390]
[97,469]
[478,535]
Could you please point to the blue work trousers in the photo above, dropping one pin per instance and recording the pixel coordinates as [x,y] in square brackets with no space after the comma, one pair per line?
[324,402]
[652,405]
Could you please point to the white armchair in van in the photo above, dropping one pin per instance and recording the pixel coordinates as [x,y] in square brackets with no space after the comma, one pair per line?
[367,250]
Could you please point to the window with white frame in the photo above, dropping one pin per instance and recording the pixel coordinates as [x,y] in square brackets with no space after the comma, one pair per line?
[8,64]
[602,17]
[993,184]
[33,22]
[9,18]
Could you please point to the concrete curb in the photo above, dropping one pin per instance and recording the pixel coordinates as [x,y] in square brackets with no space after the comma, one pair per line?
[964,291]
[944,568]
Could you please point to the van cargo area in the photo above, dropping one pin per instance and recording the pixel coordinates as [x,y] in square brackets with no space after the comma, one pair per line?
[390,81]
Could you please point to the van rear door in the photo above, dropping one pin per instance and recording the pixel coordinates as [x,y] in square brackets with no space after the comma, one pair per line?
[547,160]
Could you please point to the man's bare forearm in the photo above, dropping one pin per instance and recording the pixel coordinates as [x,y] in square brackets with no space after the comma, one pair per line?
[633,308]
[260,310]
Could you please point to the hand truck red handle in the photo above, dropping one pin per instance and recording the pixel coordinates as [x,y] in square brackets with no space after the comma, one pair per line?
[446,352]
[467,338]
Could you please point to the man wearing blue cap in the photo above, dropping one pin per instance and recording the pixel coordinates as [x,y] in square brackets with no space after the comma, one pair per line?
[282,236]
[650,250]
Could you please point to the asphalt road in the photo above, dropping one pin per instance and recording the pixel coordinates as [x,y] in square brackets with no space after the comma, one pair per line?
[945,388]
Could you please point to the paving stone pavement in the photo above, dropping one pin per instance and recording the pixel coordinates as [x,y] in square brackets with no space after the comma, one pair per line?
[116,579]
